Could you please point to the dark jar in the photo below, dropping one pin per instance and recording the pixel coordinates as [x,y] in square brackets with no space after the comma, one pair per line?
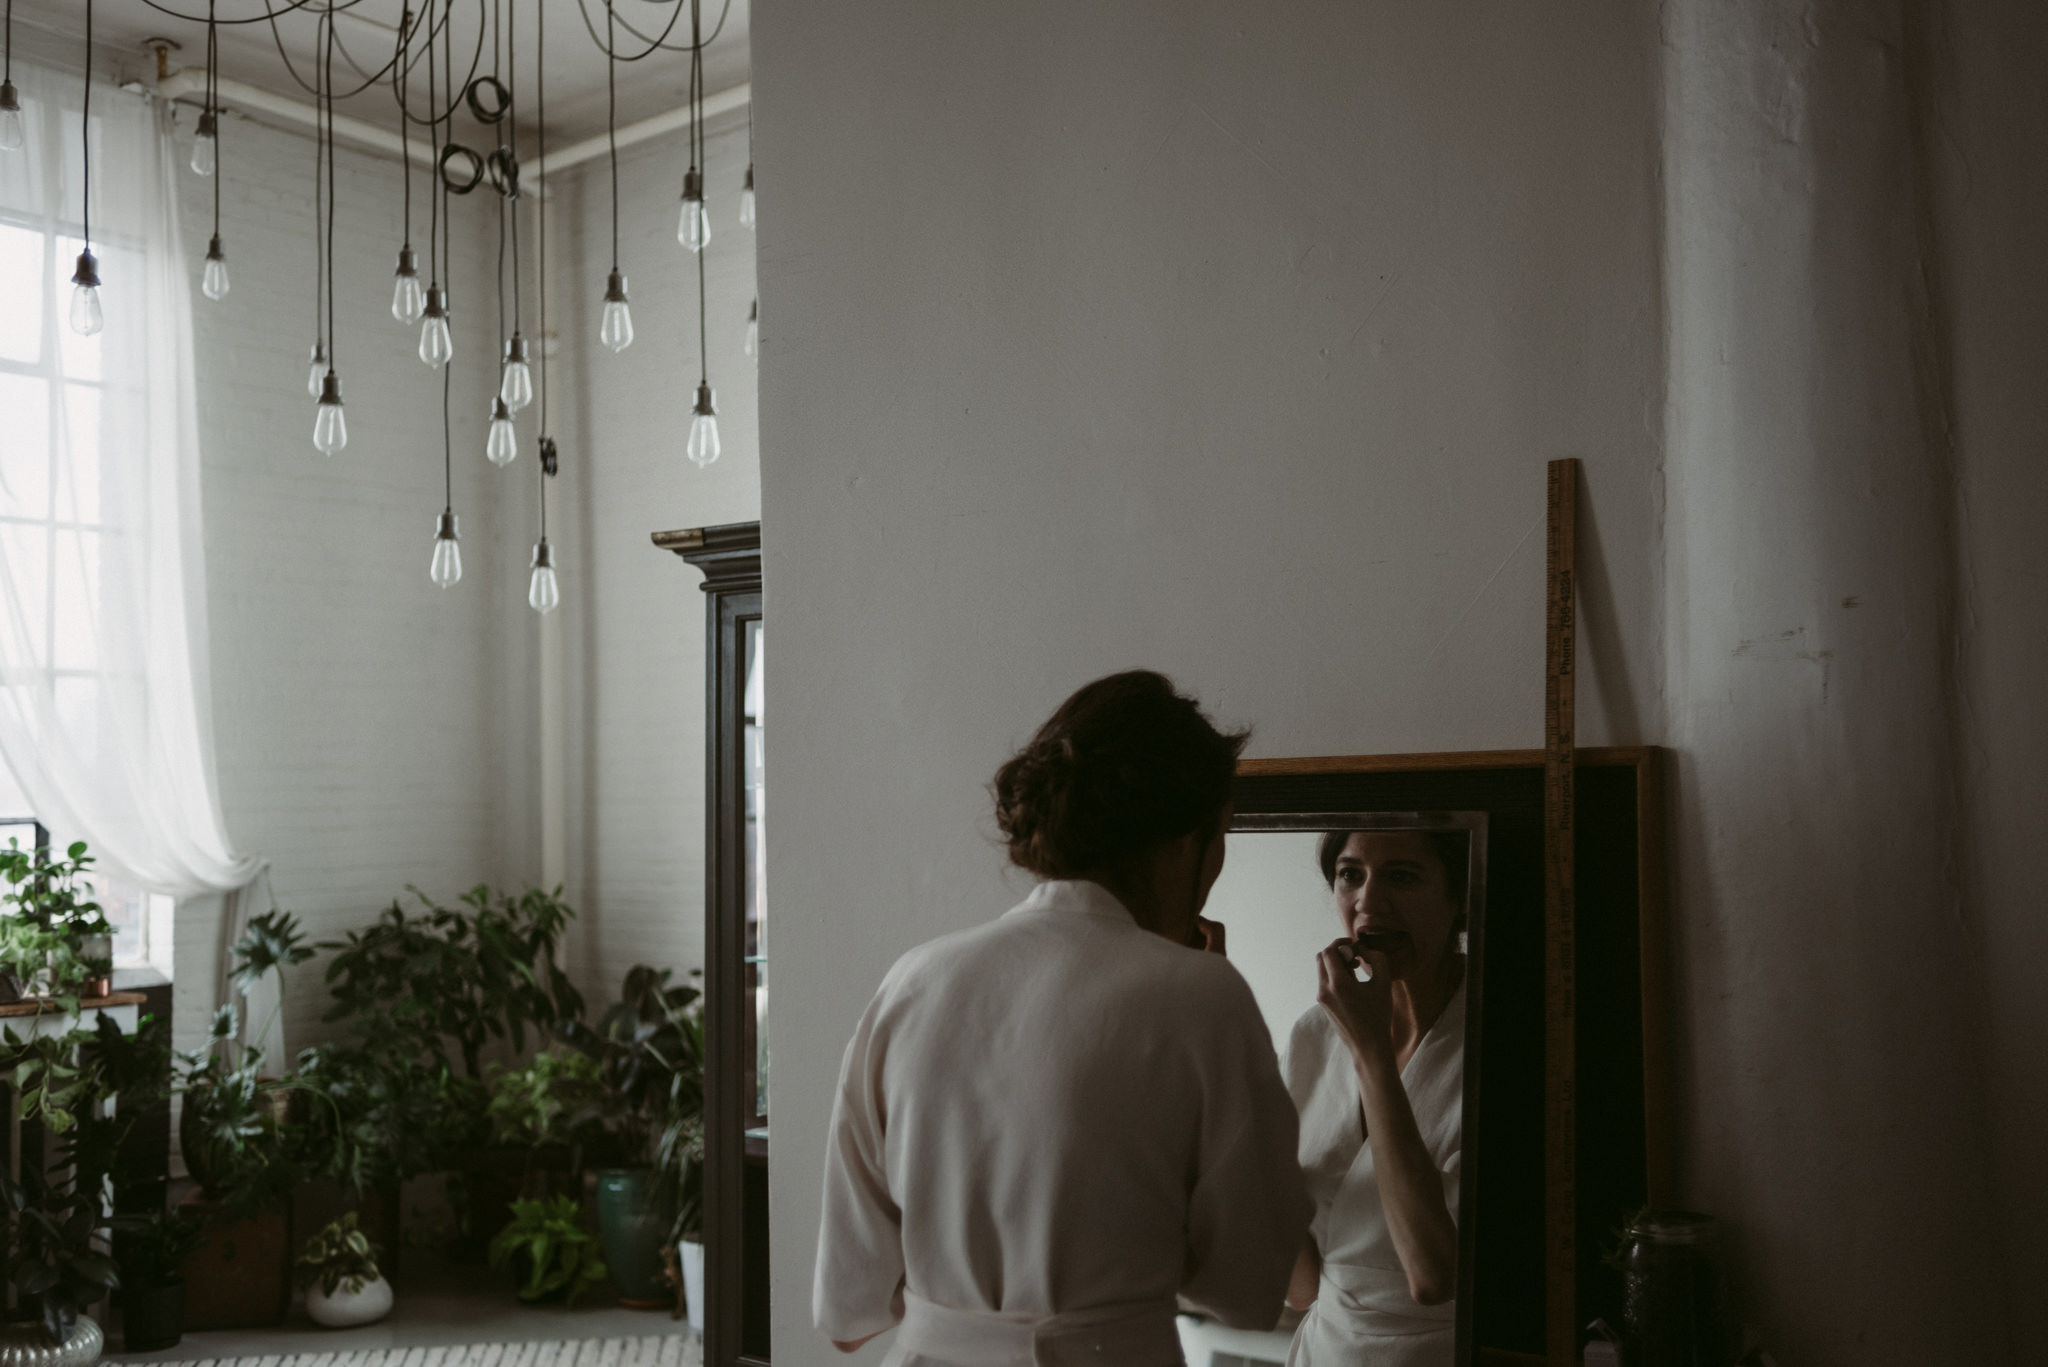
[1673,1291]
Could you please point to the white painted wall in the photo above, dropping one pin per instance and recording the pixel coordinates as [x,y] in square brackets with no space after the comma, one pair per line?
[1278,916]
[1228,342]
[1233,343]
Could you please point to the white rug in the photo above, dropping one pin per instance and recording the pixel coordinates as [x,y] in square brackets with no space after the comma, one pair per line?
[649,1350]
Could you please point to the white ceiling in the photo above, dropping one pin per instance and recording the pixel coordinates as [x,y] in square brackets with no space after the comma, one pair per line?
[367,29]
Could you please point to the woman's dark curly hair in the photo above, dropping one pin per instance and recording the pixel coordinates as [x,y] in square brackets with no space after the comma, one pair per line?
[1124,764]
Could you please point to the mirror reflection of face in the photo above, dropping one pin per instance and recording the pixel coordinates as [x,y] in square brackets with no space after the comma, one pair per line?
[1394,882]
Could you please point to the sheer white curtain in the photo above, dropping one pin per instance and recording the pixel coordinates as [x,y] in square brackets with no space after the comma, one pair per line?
[105,700]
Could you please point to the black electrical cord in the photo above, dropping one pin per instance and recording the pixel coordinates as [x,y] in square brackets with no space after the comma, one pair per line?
[213,107]
[656,43]
[697,143]
[434,158]
[328,74]
[404,124]
[9,75]
[540,71]
[611,126]
[85,137]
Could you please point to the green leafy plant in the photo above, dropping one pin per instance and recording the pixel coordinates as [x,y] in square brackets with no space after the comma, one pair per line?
[50,1228]
[371,1114]
[151,1250]
[457,976]
[232,1131]
[270,943]
[41,962]
[649,1052]
[555,1254]
[53,893]
[340,1257]
[547,1102]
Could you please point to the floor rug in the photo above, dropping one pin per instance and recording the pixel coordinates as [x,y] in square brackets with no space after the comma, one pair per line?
[649,1350]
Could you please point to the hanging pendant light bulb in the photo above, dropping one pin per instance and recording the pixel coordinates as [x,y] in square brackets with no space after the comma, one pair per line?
[502,446]
[437,348]
[446,569]
[543,594]
[206,146]
[516,389]
[616,331]
[753,342]
[330,428]
[316,371]
[213,283]
[703,444]
[694,230]
[13,137]
[747,199]
[86,318]
[408,300]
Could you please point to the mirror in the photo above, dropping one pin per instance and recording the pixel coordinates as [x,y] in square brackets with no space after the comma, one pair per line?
[1278,907]
[1409,889]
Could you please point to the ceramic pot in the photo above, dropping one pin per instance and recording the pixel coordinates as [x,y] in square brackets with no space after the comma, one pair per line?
[26,1345]
[345,1308]
[152,1317]
[632,1232]
[692,1257]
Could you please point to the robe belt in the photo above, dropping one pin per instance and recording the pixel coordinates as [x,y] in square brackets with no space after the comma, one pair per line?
[1378,1299]
[1132,1334]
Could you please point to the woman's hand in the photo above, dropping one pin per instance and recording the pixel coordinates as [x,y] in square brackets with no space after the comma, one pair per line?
[1363,1011]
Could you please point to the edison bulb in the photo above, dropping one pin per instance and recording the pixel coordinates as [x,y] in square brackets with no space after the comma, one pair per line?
[330,428]
[702,446]
[86,318]
[446,569]
[213,282]
[206,147]
[13,137]
[616,328]
[694,229]
[752,346]
[703,443]
[502,446]
[516,388]
[408,300]
[437,348]
[747,200]
[543,594]
[316,371]
[86,315]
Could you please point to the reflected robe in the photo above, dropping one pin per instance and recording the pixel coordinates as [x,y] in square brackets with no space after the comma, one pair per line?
[1047,1129]
[1363,1315]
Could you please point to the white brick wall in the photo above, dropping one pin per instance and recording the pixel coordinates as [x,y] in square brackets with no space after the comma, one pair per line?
[374,731]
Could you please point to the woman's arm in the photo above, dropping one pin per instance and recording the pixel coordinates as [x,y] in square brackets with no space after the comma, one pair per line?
[1307,1278]
[1411,1189]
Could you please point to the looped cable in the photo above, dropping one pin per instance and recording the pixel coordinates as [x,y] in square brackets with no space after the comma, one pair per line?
[488,100]
[504,172]
[452,184]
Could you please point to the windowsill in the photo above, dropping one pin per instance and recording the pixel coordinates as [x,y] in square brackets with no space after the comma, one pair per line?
[140,978]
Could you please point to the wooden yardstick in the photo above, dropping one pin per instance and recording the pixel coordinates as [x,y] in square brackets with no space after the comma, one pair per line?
[1560,985]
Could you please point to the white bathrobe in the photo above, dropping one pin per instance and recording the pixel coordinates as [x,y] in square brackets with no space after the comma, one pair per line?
[1363,1315]
[1047,1129]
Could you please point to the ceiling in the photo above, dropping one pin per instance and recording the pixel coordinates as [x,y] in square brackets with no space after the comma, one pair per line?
[366,31]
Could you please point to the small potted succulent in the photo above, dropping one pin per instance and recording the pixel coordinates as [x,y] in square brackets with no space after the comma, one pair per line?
[343,1284]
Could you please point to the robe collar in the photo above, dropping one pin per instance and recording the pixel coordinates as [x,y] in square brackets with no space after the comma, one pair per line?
[1075,895]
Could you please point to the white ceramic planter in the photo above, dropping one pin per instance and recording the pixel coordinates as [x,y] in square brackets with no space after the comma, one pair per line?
[26,1345]
[692,1256]
[345,1308]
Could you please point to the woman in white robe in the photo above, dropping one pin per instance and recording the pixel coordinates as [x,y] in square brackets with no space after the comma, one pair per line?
[1053,1129]
[1377,1070]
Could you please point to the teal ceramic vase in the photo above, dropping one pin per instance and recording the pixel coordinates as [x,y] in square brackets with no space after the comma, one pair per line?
[632,1232]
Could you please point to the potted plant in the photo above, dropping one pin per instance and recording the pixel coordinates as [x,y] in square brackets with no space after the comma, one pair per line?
[547,1246]
[343,1284]
[55,895]
[55,1266]
[151,1254]
[649,1051]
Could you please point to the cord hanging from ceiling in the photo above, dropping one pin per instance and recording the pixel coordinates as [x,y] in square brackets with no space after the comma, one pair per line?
[86,315]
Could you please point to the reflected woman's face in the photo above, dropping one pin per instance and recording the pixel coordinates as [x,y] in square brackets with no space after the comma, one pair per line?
[1392,882]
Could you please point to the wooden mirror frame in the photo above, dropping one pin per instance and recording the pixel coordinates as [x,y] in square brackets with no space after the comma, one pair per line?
[1622,1101]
